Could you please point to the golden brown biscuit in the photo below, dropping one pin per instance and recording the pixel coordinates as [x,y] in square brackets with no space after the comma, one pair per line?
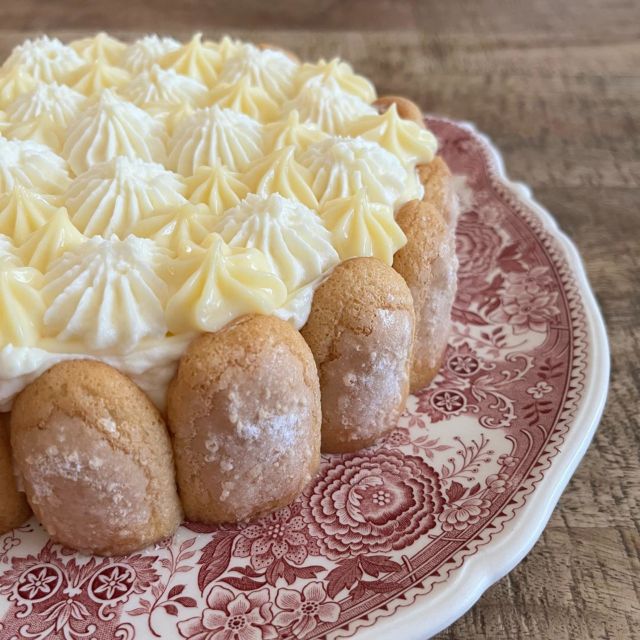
[14,509]
[95,459]
[429,265]
[360,331]
[244,412]
[439,190]
[406,108]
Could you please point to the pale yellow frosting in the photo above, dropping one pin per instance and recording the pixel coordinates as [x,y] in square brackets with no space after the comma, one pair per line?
[292,131]
[153,190]
[22,211]
[97,75]
[281,173]
[195,59]
[102,46]
[222,284]
[181,229]
[246,98]
[20,293]
[362,228]
[50,241]
[406,139]
[218,187]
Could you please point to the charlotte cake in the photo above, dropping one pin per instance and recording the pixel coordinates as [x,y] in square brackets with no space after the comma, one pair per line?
[267,240]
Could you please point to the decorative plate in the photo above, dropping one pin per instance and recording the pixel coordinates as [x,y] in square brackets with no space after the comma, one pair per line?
[402,538]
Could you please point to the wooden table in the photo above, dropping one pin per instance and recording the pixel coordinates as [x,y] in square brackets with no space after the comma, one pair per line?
[556,85]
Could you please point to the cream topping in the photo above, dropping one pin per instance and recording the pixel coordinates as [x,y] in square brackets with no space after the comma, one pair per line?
[106,294]
[214,135]
[362,228]
[291,236]
[338,72]
[158,86]
[111,197]
[22,211]
[43,114]
[43,58]
[50,241]
[327,105]
[196,59]
[221,284]
[344,166]
[147,51]
[218,187]
[112,127]
[407,140]
[19,293]
[100,47]
[270,70]
[32,165]
[97,75]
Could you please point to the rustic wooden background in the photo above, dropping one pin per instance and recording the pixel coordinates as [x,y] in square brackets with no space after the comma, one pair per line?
[556,85]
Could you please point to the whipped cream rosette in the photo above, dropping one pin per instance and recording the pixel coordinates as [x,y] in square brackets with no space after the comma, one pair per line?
[326,104]
[164,88]
[344,166]
[281,173]
[111,197]
[13,83]
[106,294]
[215,135]
[272,71]
[43,59]
[246,98]
[292,131]
[112,127]
[291,236]
[43,114]
[147,51]
[336,72]
[31,165]
[93,77]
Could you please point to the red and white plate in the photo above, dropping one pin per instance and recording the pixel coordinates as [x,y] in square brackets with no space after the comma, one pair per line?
[398,540]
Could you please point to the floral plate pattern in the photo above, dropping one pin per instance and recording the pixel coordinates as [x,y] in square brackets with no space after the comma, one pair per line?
[406,534]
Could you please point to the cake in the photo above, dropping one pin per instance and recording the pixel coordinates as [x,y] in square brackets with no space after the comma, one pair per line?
[251,256]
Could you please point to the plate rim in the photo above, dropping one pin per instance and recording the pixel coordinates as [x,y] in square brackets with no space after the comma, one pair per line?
[450,599]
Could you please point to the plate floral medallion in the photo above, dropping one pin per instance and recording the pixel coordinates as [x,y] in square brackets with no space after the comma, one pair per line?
[406,534]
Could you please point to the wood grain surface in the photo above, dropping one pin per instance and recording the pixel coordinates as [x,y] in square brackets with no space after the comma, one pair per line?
[556,85]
